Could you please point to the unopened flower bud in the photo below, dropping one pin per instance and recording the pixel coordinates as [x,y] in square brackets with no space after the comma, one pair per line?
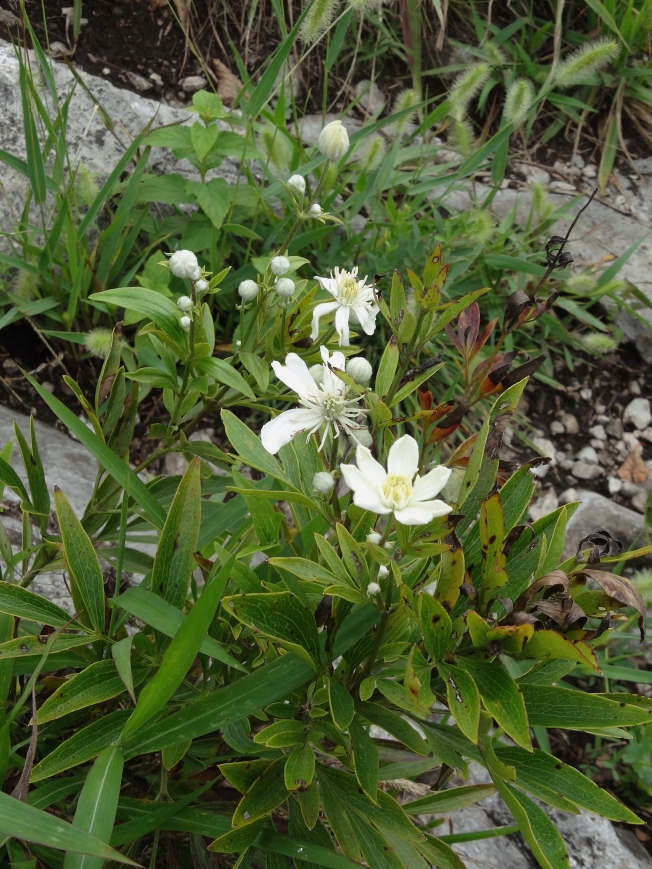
[316,209]
[297,183]
[185,323]
[317,373]
[323,482]
[333,141]
[248,290]
[183,264]
[374,537]
[284,287]
[373,589]
[363,436]
[184,303]
[196,275]
[382,571]
[280,265]
[201,286]
[359,369]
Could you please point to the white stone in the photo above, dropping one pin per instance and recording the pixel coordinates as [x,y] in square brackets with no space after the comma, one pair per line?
[545,448]
[638,412]
[562,187]
[588,454]
[630,441]
[568,495]
[533,174]
[598,432]
[557,427]
[635,387]
[590,171]
[615,484]
[586,394]
[586,470]
[570,423]
[646,434]
[192,83]
[639,501]
[543,505]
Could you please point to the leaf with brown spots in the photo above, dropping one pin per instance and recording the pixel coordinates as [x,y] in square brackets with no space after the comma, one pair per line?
[436,626]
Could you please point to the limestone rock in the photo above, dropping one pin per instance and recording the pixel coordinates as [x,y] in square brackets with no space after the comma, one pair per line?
[638,413]
[596,511]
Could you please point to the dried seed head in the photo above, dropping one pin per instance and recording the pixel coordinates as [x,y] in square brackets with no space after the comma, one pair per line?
[581,64]
[518,101]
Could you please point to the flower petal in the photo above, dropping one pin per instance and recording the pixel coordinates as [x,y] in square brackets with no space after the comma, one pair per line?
[328,284]
[321,311]
[365,493]
[366,316]
[421,512]
[403,457]
[280,431]
[373,470]
[342,325]
[337,360]
[430,484]
[295,374]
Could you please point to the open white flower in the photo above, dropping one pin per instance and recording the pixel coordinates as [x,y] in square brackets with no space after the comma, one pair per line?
[352,296]
[321,404]
[396,490]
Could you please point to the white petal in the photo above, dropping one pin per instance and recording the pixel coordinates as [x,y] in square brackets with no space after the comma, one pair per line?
[421,512]
[337,360]
[280,431]
[342,325]
[328,284]
[296,375]
[365,494]
[431,484]
[403,457]
[321,311]
[366,316]
[373,470]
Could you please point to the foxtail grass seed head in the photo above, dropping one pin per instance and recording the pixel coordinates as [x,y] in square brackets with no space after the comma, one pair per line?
[362,6]
[25,285]
[275,145]
[248,290]
[598,344]
[359,369]
[201,285]
[280,265]
[466,86]
[461,136]
[333,141]
[404,102]
[323,482]
[582,63]
[183,264]
[316,22]
[581,283]
[86,185]
[518,101]
[185,323]
[284,287]
[184,303]
[316,209]
[481,225]
[297,183]
[98,342]
[495,54]
[373,153]
[541,205]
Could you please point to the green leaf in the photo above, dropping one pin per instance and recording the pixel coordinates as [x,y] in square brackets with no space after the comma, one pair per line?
[8,477]
[172,754]
[365,758]
[167,619]
[25,604]
[300,768]
[158,308]
[23,821]
[96,809]
[98,682]
[463,699]
[237,840]
[250,449]
[83,745]
[549,644]
[214,197]
[502,698]
[386,368]
[121,654]
[341,704]
[181,652]
[439,854]
[375,848]
[174,561]
[258,367]
[153,377]
[339,816]
[307,570]
[34,644]
[449,800]
[203,138]
[226,374]
[266,793]
[436,626]
[40,497]
[280,616]
[86,580]
[549,706]
[35,165]
[243,774]
[396,725]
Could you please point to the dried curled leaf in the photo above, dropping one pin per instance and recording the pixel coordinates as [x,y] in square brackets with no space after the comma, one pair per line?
[228,84]
[634,468]
[621,589]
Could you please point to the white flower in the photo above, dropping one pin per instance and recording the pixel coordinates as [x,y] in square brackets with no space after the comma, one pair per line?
[323,482]
[184,303]
[201,286]
[298,184]
[359,369]
[374,537]
[324,404]
[316,209]
[185,323]
[333,141]
[383,571]
[396,490]
[284,287]
[364,437]
[248,290]
[351,296]
[373,588]
[183,264]
[280,265]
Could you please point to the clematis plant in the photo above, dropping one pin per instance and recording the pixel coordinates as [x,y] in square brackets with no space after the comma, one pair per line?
[353,299]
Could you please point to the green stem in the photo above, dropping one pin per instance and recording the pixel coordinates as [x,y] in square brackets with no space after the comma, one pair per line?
[384,616]
[186,372]
[332,466]
[300,218]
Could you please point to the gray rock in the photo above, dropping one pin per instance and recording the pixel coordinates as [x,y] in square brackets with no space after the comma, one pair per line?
[598,432]
[615,428]
[562,187]
[370,96]
[568,495]
[545,448]
[557,427]
[638,412]
[596,511]
[615,484]
[311,126]
[533,174]
[586,394]
[595,843]
[639,501]
[646,434]
[543,505]
[586,470]
[193,83]
[570,423]
[588,454]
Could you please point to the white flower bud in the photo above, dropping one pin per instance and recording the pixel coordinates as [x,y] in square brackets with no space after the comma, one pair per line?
[297,183]
[373,588]
[374,537]
[184,303]
[389,546]
[316,209]
[317,373]
[183,264]
[333,141]
[280,265]
[363,436]
[382,571]
[359,369]
[248,290]
[323,482]
[185,323]
[284,287]
[201,286]
[196,275]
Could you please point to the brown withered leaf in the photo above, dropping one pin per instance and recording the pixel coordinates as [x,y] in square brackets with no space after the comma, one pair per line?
[601,543]
[634,468]
[620,588]
[562,610]
[228,84]
[555,581]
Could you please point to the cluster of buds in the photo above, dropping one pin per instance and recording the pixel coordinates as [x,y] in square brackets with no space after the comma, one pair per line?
[183,264]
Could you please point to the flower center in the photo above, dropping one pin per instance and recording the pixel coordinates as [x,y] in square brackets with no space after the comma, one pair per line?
[332,405]
[396,491]
[348,290]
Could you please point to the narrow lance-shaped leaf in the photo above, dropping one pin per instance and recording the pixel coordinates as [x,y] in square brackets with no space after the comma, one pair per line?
[502,697]
[35,475]
[463,699]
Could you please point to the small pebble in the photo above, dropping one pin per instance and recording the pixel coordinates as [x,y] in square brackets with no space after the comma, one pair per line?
[568,495]
[567,464]
[602,417]
[49,387]
[614,484]
[634,387]
[588,454]
[598,432]
[638,412]
[586,394]
[639,501]
[596,444]
[560,457]
[600,408]
[557,427]
[629,489]
[630,441]
[586,470]
[646,434]
[570,424]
